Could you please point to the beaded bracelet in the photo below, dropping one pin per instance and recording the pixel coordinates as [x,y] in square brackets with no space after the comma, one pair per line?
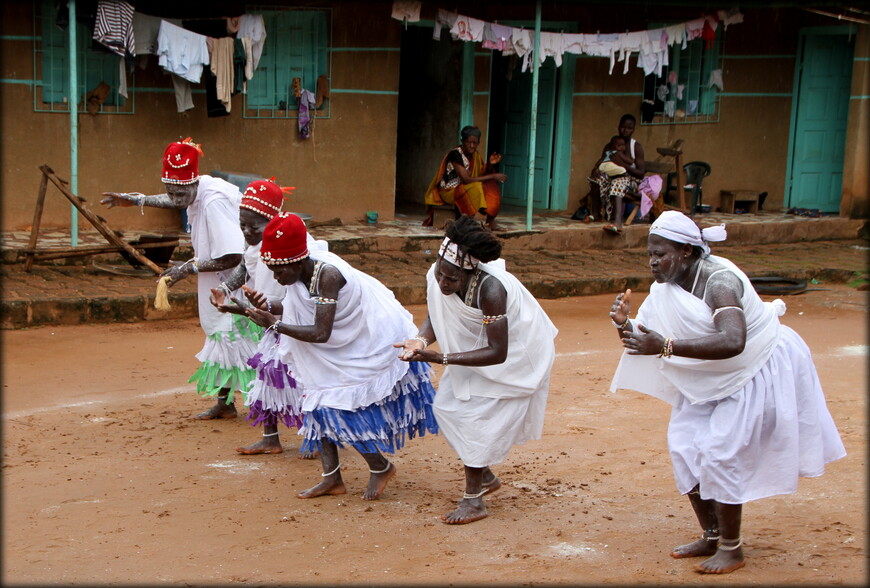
[422,340]
[488,319]
[269,306]
[274,327]
[667,348]
[322,300]
[444,359]
[619,326]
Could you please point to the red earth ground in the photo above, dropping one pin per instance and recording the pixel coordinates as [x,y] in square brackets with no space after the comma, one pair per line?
[106,479]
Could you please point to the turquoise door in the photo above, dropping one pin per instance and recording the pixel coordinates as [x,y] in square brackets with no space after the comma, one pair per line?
[515,151]
[823,83]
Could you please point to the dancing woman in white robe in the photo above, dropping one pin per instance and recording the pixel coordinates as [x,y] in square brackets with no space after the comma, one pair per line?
[749,415]
[497,344]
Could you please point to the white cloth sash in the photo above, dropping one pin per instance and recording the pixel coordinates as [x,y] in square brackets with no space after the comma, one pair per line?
[673,312]
[531,349]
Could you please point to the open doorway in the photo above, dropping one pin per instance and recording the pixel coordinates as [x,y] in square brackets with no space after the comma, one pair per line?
[428,112]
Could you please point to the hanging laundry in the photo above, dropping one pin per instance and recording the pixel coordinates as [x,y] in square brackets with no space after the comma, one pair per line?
[708,33]
[181,52]
[249,58]
[221,65]
[467,29]
[677,34]
[407,10]
[574,43]
[444,18]
[694,28]
[693,107]
[679,91]
[214,107]
[730,17]
[114,27]
[523,43]
[716,80]
[647,110]
[239,61]
[670,108]
[233,24]
[253,26]
[183,94]
[496,36]
[672,78]
[662,92]
[307,101]
[551,45]
[145,29]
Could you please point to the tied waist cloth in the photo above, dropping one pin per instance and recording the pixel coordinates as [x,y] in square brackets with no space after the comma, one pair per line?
[612,188]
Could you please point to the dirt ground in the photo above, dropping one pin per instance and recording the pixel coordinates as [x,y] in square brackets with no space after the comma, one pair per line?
[106,480]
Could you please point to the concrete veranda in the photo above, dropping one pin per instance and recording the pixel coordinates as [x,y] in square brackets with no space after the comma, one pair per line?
[558,257]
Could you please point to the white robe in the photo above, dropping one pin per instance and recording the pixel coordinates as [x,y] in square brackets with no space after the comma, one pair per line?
[484,411]
[742,428]
[358,365]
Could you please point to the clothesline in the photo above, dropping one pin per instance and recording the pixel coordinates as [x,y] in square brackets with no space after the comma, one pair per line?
[652,46]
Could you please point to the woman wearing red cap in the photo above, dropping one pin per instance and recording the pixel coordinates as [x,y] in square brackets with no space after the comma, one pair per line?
[218,245]
[339,325]
[274,395]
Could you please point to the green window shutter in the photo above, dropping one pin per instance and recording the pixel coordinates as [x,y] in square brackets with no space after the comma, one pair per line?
[93,66]
[296,46]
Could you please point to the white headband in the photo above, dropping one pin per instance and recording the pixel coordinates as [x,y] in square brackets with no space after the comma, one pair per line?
[676,226]
[450,251]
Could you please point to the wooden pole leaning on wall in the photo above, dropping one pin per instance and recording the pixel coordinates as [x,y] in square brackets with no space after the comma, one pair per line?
[113,237]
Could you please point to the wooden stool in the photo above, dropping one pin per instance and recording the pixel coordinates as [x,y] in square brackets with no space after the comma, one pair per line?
[748,199]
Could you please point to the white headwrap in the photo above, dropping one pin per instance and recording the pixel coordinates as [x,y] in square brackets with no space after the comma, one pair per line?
[450,251]
[676,226]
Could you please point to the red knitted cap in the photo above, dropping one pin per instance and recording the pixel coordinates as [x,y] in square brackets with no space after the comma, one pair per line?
[265,197]
[181,163]
[284,240]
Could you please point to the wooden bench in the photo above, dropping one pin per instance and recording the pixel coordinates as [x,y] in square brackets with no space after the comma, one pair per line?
[748,199]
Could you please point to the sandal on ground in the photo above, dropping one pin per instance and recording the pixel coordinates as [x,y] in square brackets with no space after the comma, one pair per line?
[612,229]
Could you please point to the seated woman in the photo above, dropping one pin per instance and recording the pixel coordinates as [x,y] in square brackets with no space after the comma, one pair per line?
[613,189]
[464,181]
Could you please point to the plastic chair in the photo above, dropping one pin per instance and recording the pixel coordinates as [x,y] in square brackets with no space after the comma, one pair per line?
[696,171]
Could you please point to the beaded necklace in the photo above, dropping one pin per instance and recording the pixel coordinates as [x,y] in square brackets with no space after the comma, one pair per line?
[472,287]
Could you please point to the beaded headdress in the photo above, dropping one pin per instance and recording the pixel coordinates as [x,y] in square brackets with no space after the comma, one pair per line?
[181,163]
[265,197]
[284,240]
[450,252]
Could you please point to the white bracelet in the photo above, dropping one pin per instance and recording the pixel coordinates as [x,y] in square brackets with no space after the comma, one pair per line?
[617,325]
[422,340]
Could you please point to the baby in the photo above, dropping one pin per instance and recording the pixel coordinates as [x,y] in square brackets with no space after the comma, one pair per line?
[615,159]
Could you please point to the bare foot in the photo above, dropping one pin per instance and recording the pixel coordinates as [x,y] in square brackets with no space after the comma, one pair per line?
[490,486]
[308,455]
[698,548]
[377,483]
[326,487]
[724,562]
[218,411]
[272,445]
[468,511]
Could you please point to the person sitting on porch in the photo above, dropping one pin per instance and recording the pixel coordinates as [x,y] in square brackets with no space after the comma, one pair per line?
[466,182]
[613,190]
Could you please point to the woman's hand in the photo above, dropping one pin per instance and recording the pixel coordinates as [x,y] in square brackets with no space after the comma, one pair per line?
[261,317]
[429,355]
[225,303]
[112,199]
[642,341]
[408,347]
[258,299]
[177,271]
[620,310]
[494,158]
